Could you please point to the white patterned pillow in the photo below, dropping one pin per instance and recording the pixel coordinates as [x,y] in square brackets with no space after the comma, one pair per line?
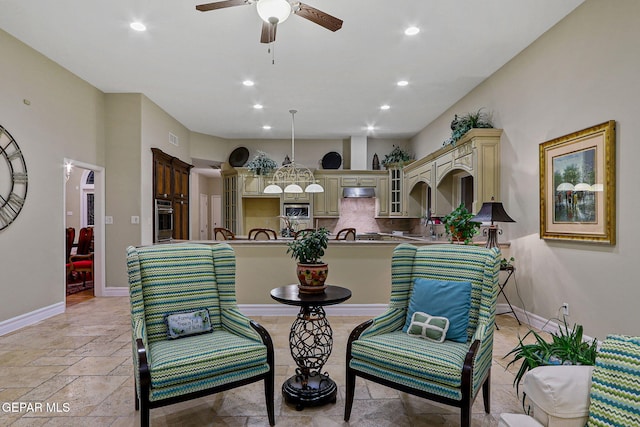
[188,323]
[429,327]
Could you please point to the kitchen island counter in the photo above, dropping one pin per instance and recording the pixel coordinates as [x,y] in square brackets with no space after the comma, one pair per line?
[363,266]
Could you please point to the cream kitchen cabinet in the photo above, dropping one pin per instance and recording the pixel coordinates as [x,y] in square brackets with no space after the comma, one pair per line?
[358,181]
[382,197]
[296,197]
[474,159]
[396,193]
[327,204]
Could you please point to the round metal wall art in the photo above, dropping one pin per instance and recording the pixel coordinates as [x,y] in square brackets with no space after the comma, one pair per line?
[13,179]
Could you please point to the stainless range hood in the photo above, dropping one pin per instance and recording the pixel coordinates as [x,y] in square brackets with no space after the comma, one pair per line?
[352,192]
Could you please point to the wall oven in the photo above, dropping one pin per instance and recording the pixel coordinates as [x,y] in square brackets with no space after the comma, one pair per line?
[164,221]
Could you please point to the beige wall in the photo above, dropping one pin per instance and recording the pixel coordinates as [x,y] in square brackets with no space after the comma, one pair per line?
[365,269]
[123,174]
[64,118]
[582,72]
[72,200]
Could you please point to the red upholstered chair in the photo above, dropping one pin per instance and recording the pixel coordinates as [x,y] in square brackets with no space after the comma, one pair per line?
[71,235]
[82,261]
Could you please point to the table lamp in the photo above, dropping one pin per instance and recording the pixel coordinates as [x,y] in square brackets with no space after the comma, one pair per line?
[490,212]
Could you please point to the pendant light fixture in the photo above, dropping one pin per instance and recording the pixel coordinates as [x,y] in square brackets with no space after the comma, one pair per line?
[291,176]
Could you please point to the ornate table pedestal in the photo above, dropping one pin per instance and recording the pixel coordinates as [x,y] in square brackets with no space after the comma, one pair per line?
[310,342]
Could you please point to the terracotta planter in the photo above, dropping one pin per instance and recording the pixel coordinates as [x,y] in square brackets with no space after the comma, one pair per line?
[312,277]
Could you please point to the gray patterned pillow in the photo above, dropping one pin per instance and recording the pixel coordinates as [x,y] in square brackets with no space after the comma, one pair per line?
[183,324]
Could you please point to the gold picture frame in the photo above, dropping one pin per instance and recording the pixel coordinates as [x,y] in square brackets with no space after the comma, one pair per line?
[578,186]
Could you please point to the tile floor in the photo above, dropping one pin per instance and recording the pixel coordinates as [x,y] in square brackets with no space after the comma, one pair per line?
[78,366]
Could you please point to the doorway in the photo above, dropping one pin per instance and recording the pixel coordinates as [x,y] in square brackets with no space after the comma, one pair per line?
[84,207]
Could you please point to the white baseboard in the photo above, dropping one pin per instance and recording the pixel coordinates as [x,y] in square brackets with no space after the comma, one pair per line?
[113,291]
[27,319]
[535,321]
[333,310]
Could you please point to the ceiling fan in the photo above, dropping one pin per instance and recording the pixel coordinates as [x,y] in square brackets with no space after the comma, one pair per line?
[274,12]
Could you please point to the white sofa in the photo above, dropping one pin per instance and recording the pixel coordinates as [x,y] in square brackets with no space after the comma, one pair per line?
[556,396]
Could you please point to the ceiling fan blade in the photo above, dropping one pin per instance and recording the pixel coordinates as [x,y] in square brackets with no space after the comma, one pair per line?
[268,32]
[321,18]
[220,5]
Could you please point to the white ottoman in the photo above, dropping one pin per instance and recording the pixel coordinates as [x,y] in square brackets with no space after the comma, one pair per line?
[559,397]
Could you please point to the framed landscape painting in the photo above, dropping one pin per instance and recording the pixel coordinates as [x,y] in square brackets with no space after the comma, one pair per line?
[577,186]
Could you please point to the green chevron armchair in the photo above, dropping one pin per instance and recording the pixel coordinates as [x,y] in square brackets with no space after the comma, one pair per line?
[449,372]
[189,339]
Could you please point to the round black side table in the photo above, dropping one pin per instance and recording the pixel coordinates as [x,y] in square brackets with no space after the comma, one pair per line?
[310,342]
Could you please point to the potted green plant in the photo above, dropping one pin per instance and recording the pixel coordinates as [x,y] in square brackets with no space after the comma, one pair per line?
[463,124]
[458,225]
[397,156]
[566,348]
[507,263]
[262,164]
[307,249]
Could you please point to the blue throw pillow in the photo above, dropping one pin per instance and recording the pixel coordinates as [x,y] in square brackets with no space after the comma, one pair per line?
[442,298]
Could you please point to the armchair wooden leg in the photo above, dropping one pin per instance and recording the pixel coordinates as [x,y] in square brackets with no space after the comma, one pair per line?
[486,393]
[350,391]
[465,415]
[268,394]
[144,417]
[135,396]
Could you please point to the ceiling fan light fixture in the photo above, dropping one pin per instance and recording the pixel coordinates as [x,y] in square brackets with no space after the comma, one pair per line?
[269,9]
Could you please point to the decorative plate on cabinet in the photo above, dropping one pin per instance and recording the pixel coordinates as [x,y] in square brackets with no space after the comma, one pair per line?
[331,160]
[239,157]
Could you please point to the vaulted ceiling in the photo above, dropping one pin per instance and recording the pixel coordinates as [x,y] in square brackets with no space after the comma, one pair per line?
[193,64]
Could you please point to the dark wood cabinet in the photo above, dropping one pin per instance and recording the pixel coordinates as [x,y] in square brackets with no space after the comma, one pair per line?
[181,179]
[180,219]
[162,175]
[171,182]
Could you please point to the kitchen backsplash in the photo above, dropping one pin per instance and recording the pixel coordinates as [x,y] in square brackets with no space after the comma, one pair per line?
[359,213]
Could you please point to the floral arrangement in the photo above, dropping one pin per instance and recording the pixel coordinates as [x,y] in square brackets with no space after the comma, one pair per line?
[463,124]
[396,156]
[262,164]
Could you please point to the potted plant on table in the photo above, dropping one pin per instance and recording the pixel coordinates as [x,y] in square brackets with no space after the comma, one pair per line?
[459,226]
[566,348]
[307,250]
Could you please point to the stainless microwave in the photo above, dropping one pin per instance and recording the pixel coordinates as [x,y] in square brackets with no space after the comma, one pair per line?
[300,210]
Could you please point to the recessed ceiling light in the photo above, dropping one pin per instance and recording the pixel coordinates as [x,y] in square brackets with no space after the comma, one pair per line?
[258,106]
[370,128]
[266,127]
[248,83]
[402,83]
[412,31]
[385,107]
[138,26]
